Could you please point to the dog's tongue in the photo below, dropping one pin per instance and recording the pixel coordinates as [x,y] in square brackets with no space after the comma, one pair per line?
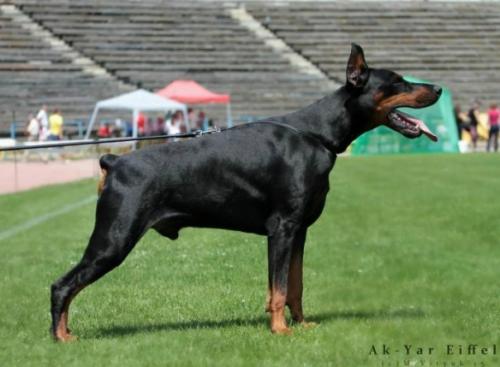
[423,128]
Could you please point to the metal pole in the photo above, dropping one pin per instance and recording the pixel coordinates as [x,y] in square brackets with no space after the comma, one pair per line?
[80,129]
[187,123]
[229,117]
[91,122]
[135,117]
[13,126]
[16,184]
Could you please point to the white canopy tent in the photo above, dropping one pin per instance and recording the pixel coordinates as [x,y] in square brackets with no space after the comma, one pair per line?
[138,101]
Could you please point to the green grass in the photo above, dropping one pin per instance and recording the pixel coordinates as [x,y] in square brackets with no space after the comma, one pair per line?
[407,251]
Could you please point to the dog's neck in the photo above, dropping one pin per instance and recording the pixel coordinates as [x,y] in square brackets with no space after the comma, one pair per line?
[329,120]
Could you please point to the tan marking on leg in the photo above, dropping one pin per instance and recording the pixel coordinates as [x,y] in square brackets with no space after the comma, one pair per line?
[102,180]
[63,334]
[278,321]
[65,315]
[61,331]
[294,292]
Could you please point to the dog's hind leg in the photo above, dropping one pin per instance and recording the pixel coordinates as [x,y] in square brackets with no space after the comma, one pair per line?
[280,246]
[115,234]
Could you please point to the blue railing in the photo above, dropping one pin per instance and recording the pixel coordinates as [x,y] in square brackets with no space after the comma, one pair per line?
[80,125]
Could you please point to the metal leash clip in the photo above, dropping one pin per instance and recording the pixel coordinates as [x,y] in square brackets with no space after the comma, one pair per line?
[211,130]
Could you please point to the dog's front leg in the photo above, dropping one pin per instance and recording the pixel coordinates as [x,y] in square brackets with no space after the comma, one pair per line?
[295,287]
[280,246]
[294,294]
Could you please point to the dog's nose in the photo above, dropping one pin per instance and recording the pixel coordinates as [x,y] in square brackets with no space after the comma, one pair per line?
[438,90]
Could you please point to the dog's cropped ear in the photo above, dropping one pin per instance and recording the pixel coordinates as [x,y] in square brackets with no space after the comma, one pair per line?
[357,69]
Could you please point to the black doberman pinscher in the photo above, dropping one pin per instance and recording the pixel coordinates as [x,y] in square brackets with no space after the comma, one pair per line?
[269,177]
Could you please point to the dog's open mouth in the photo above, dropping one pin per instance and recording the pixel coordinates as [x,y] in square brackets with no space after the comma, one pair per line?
[408,126]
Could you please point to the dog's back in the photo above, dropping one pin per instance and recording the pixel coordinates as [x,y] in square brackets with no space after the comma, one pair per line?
[221,180]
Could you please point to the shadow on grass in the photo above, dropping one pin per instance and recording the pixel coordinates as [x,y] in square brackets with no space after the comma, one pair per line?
[125,330]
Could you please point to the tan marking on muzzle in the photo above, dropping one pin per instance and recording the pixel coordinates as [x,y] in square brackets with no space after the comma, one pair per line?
[413,99]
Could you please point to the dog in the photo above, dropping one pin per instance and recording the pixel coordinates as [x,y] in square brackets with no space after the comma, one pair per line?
[268,177]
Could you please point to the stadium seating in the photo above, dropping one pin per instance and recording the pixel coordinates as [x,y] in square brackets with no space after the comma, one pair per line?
[456,44]
[151,43]
[32,73]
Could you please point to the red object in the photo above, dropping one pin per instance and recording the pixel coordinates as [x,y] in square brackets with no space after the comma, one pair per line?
[103,131]
[190,92]
[141,123]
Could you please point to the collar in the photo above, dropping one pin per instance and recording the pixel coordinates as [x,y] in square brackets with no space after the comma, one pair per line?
[299,132]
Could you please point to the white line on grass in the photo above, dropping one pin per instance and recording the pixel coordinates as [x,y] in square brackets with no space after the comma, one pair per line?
[45,217]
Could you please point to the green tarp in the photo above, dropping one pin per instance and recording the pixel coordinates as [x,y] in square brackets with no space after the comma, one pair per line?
[439,117]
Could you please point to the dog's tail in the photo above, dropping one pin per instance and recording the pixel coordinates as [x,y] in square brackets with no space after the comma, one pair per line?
[106,162]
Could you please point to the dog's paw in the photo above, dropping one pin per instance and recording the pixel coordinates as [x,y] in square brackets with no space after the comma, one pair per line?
[65,338]
[308,324]
[282,331]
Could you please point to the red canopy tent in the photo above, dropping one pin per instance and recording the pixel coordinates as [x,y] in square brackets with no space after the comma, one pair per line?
[190,92]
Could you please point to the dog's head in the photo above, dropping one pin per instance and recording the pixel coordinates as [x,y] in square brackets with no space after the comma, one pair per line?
[375,95]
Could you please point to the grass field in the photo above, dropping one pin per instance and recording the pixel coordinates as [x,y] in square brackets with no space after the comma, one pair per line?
[407,252]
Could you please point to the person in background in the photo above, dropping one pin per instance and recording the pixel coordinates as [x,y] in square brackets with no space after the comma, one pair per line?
[460,121]
[33,128]
[192,119]
[129,128]
[55,126]
[120,128]
[202,123]
[211,123]
[104,131]
[181,122]
[141,124]
[173,125]
[168,122]
[493,120]
[473,116]
[149,128]
[43,120]
[159,126]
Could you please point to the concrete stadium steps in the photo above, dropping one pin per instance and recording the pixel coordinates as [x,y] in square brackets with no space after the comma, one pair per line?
[456,44]
[34,72]
[252,93]
[74,93]
[150,44]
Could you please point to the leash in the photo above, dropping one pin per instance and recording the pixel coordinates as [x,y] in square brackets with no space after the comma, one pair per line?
[108,140]
[197,133]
